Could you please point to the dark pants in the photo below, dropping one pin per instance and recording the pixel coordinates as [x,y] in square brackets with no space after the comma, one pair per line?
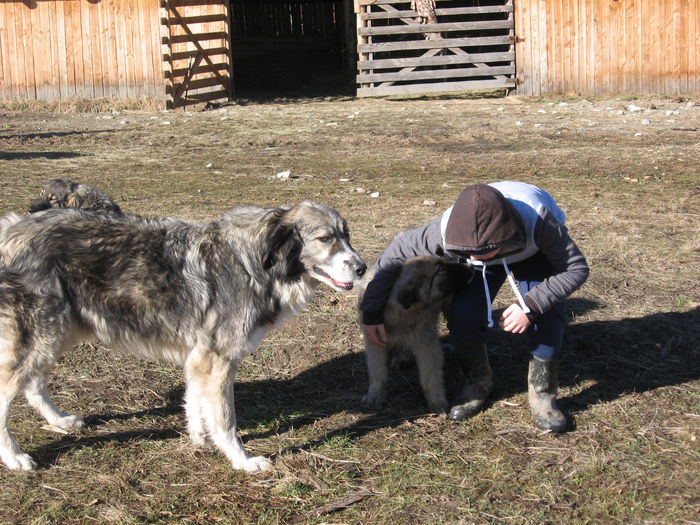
[466,316]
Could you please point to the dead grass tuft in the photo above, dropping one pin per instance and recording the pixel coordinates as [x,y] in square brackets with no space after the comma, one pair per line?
[80,105]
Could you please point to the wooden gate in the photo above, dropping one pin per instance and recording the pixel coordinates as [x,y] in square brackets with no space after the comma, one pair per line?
[196,51]
[425,46]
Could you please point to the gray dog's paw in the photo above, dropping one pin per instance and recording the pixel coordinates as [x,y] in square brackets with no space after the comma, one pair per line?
[373,402]
[438,406]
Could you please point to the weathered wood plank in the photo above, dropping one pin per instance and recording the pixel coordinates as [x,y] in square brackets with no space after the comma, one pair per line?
[201,37]
[367,78]
[382,47]
[187,55]
[453,11]
[194,98]
[201,19]
[195,85]
[434,88]
[435,28]
[176,74]
[442,60]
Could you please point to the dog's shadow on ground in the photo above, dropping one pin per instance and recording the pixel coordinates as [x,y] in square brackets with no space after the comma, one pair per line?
[613,357]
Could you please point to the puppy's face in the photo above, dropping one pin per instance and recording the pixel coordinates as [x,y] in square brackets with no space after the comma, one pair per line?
[428,281]
[326,252]
[55,194]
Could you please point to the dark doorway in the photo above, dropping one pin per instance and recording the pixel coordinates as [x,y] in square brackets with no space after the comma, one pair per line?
[292,48]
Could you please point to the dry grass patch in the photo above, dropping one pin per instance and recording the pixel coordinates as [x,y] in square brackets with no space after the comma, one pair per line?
[630,373]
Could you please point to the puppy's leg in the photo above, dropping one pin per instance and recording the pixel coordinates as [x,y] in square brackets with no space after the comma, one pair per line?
[429,359]
[211,375]
[377,370]
[37,395]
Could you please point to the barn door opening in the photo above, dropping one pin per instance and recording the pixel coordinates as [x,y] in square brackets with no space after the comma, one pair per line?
[292,48]
[196,51]
[424,46]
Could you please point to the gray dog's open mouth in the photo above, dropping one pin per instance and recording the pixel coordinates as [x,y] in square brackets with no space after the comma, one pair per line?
[339,284]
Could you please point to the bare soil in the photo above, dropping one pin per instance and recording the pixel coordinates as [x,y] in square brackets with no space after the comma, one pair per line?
[627,173]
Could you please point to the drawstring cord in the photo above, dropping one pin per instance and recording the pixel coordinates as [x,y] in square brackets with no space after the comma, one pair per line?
[487,292]
[489,312]
[515,288]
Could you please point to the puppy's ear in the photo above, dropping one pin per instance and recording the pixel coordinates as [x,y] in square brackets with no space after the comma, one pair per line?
[460,274]
[283,244]
[408,294]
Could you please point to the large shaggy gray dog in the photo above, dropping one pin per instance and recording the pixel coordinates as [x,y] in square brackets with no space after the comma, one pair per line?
[64,193]
[200,295]
[423,289]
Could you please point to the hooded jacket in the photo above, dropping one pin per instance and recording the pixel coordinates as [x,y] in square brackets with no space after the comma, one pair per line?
[518,218]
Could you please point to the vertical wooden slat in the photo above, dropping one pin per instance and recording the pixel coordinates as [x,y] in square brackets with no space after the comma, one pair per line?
[10,83]
[543,45]
[694,47]
[74,46]
[631,47]
[99,66]
[553,37]
[683,42]
[142,59]
[132,39]
[521,47]
[24,31]
[152,9]
[111,49]
[567,56]
[585,46]
[658,50]
[621,54]
[100,42]
[41,51]
[62,57]
[26,55]
[86,51]
[663,20]
[617,47]
[577,65]
[678,51]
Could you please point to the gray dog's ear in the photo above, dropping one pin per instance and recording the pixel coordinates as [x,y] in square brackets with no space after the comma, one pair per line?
[283,244]
[408,294]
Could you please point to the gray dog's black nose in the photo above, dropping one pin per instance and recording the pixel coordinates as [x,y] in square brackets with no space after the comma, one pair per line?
[360,269]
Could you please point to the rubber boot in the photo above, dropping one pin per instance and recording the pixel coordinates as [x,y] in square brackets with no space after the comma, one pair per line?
[477,386]
[542,384]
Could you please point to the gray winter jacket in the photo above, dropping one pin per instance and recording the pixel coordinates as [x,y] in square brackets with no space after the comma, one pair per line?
[518,218]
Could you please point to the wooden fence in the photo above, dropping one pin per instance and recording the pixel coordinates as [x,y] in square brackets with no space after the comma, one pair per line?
[608,46]
[57,49]
[453,46]
[196,51]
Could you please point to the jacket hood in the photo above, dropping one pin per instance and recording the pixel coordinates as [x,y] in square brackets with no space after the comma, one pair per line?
[482,219]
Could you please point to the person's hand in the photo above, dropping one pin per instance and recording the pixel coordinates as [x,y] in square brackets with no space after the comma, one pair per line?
[376,333]
[514,320]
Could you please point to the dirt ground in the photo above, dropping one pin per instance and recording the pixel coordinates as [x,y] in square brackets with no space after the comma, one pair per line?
[627,173]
